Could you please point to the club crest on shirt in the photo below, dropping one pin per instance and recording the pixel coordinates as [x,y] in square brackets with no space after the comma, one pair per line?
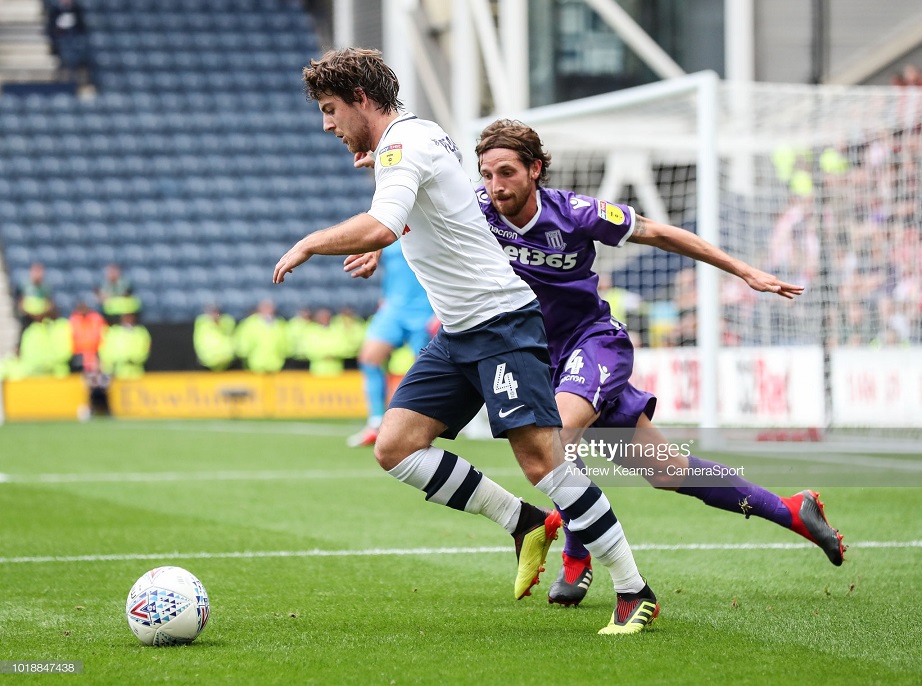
[555,240]
[391,155]
[611,213]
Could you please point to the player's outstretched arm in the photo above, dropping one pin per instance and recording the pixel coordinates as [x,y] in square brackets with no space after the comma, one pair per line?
[359,234]
[681,242]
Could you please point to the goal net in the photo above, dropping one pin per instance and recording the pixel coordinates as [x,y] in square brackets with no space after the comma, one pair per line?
[819,185]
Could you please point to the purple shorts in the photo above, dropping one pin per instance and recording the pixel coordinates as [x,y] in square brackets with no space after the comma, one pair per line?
[598,369]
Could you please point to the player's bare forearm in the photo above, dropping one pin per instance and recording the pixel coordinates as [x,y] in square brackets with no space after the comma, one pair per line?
[688,244]
[359,234]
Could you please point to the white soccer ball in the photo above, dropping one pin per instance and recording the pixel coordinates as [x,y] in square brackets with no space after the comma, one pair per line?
[167,606]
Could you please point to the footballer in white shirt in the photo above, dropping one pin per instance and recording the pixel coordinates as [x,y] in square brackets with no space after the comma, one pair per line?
[491,348]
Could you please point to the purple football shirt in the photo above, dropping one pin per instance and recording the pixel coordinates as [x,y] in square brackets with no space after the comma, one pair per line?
[554,254]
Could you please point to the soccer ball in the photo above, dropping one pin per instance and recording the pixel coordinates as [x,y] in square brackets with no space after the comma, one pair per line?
[167,606]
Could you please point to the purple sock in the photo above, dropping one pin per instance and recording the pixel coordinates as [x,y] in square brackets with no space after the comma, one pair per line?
[571,544]
[735,494]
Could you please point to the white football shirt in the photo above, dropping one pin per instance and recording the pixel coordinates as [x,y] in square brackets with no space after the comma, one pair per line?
[423,195]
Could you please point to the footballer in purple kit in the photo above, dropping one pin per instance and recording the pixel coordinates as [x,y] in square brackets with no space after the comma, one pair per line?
[548,236]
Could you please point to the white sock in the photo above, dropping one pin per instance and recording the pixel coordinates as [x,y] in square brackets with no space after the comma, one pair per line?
[624,573]
[451,480]
[495,502]
[591,517]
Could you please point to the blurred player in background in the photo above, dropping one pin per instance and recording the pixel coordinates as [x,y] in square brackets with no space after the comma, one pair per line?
[490,348]
[549,237]
[403,317]
[33,296]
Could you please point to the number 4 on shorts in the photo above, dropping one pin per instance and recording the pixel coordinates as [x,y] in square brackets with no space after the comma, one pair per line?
[505,383]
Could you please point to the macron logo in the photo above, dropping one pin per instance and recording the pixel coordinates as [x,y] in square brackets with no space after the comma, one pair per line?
[406,230]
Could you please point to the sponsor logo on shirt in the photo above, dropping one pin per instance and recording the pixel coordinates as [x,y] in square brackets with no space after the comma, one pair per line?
[537,258]
[579,203]
[574,378]
[391,155]
[611,213]
[504,233]
[446,143]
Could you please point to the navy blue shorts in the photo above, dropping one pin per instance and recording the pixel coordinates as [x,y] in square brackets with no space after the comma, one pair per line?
[503,362]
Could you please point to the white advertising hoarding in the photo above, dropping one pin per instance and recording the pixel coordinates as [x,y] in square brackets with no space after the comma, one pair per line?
[757,387]
[877,387]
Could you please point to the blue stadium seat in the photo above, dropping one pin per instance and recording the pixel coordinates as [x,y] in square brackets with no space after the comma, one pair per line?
[96,233]
[9,211]
[18,257]
[82,279]
[12,234]
[49,255]
[223,256]
[173,304]
[133,254]
[163,254]
[103,255]
[70,234]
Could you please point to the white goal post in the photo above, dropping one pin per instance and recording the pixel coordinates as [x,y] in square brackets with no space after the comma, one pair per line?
[821,185]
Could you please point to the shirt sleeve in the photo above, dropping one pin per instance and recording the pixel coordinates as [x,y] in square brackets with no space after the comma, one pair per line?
[398,176]
[391,206]
[602,221]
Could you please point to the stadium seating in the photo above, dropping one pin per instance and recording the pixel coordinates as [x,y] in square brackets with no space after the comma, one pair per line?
[195,166]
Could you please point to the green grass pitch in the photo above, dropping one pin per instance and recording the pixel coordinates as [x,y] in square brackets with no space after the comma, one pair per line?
[254,509]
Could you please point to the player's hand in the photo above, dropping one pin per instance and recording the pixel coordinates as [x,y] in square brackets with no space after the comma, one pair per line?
[363,265]
[769,283]
[364,159]
[298,255]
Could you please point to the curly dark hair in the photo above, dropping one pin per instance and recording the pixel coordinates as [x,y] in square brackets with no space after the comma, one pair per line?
[511,134]
[345,72]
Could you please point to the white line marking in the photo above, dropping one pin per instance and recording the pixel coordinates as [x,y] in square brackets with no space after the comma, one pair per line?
[267,475]
[378,552]
[242,427]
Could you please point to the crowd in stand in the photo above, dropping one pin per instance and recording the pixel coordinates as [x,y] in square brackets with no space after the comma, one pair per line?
[105,343]
[849,230]
[320,341]
[109,341]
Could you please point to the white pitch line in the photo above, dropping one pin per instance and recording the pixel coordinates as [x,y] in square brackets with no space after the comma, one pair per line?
[265,475]
[130,477]
[242,427]
[397,552]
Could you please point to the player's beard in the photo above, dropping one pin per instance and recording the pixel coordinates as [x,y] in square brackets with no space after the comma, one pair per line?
[360,141]
[510,205]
